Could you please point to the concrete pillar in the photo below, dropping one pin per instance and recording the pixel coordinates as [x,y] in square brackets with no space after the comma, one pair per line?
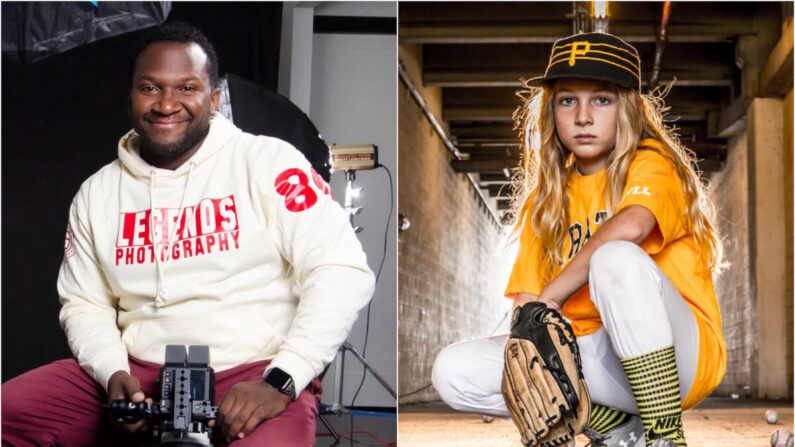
[767,216]
[788,197]
[295,54]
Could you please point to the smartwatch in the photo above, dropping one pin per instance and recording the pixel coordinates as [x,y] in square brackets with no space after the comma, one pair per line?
[282,381]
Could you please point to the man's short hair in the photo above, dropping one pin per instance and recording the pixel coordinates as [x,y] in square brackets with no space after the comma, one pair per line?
[180,32]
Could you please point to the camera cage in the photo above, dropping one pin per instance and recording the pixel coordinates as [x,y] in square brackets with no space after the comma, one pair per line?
[187,391]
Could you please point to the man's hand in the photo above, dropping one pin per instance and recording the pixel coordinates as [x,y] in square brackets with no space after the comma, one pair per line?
[124,386]
[246,405]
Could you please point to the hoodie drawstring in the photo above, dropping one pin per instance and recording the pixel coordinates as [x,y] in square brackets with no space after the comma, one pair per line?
[160,298]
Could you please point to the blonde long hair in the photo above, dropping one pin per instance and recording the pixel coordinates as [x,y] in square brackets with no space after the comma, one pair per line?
[540,197]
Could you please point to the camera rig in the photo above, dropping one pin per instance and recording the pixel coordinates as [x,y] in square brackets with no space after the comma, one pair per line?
[187,391]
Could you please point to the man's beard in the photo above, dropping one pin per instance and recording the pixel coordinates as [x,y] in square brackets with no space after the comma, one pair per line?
[171,150]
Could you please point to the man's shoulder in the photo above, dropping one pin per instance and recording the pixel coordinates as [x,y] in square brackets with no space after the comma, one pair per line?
[266,152]
[105,178]
[264,144]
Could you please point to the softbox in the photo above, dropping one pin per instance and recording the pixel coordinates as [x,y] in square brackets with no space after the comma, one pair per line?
[259,111]
[35,30]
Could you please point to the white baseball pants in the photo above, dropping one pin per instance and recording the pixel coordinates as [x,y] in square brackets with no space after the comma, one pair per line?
[641,310]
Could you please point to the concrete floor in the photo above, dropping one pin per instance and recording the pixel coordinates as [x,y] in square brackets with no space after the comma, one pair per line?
[716,422]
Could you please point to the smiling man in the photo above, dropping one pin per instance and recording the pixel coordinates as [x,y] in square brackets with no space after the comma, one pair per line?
[198,234]
[171,101]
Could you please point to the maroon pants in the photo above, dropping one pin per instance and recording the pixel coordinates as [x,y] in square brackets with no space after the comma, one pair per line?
[60,405]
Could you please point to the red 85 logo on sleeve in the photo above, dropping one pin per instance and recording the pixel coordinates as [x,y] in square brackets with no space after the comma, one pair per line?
[294,185]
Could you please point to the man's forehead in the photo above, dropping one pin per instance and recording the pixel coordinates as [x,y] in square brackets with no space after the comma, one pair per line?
[172,56]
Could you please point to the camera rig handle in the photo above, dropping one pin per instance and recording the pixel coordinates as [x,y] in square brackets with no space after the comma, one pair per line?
[128,412]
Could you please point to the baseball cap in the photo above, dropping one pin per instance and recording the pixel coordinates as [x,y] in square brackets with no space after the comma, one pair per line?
[596,56]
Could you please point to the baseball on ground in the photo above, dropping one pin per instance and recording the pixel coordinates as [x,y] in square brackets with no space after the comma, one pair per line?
[781,438]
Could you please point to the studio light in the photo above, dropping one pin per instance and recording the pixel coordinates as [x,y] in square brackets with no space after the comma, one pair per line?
[352,158]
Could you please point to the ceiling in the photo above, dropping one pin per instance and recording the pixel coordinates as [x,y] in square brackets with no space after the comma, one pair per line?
[477,52]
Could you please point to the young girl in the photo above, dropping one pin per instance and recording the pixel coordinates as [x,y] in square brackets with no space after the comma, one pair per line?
[616,231]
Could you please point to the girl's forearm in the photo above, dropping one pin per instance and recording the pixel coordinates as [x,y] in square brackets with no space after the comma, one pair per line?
[634,224]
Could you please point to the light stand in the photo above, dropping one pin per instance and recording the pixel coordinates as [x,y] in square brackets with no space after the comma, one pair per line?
[336,407]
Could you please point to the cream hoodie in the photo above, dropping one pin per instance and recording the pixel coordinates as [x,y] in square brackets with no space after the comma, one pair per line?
[251,257]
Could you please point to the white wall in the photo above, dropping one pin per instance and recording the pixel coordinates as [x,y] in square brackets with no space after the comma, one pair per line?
[353,101]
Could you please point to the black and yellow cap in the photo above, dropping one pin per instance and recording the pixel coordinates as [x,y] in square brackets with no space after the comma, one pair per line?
[596,56]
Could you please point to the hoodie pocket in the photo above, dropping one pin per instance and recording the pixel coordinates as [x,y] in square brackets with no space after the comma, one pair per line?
[234,338]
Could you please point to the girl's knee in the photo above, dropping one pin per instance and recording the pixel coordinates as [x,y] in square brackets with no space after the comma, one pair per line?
[616,263]
[616,256]
[445,368]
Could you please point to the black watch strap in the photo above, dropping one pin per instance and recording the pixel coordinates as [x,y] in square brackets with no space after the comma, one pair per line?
[282,381]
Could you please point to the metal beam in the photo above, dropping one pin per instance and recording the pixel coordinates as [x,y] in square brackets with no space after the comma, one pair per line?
[490,11]
[487,178]
[485,153]
[504,65]
[488,142]
[489,165]
[446,33]
[507,32]
[500,191]
[404,76]
[471,78]
[478,114]
[479,130]
[776,76]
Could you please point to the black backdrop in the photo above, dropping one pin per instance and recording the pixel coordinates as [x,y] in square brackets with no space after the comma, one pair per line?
[61,120]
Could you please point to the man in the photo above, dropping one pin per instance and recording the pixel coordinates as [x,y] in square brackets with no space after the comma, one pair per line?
[198,234]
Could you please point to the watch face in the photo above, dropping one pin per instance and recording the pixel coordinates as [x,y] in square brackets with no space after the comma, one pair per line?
[282,381]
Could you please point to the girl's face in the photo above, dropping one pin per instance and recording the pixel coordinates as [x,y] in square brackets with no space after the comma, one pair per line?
[585,120]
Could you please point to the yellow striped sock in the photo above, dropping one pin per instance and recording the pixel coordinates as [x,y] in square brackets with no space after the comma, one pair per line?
[605,418]
[655,384]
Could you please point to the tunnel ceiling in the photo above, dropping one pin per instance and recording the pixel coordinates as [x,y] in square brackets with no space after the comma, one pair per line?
[478,52]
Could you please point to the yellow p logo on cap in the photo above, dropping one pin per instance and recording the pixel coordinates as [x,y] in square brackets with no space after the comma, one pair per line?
[579,48]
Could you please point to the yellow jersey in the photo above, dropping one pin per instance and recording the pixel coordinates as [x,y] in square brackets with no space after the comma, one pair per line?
[653,183]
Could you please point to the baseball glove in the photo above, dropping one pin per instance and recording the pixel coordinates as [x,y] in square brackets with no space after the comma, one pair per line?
[542,382]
